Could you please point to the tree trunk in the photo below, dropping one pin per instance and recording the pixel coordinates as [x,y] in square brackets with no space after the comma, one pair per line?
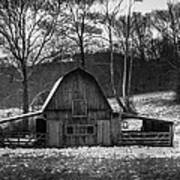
[82,53]
[125,67]
[112,73]
[130,75]
[25,96]
[111,61]
[125,76]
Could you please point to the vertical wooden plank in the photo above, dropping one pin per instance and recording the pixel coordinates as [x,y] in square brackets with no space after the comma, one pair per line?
[60,134]
[171,131]
[106,133]
[91,140]
[73,141]
[99,132]
[67,140]
[53,133]
[103,132]
[81,141]
[87,140]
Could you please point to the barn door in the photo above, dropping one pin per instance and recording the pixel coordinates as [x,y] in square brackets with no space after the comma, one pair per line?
[103,132]
[40,125]
[55,135]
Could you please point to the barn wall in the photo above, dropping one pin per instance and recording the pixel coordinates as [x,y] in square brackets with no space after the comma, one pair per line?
[78,85]
[67,115]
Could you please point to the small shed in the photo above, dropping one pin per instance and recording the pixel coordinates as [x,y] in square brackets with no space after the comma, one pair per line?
[77,112]
[139,130]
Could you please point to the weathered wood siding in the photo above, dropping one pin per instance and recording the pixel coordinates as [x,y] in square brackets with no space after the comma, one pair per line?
[74,86]
[78,85]
[103,133]
[55,130]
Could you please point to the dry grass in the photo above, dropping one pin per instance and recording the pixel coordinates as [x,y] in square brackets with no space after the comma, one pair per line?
[119,163]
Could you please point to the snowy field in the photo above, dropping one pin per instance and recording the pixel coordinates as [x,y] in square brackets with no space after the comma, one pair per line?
[4,113]
[157,105]
[97,152]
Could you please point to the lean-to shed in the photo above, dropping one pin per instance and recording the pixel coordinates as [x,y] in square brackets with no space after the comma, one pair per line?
[78,113]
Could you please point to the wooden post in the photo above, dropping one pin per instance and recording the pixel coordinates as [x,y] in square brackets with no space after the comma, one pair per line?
[120,129]
[171,130]
[116,129]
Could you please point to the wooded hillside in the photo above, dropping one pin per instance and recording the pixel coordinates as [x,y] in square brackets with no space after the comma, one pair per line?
[147,77]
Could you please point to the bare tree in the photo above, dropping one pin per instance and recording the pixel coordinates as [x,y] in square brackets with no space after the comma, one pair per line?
[110,13]
[26,28]
[142,34]
[77,26]
[124,32]
[166,22]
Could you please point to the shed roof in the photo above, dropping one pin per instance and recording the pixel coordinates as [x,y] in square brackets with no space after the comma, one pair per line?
[21,116]
[52,92]
[128,115]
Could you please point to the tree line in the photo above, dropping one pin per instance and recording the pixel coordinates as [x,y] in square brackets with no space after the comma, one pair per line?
[38,31]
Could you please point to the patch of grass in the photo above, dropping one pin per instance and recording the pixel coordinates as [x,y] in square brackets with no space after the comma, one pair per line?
[82,164]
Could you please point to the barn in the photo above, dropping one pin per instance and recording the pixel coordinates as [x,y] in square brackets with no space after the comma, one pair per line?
[76,112]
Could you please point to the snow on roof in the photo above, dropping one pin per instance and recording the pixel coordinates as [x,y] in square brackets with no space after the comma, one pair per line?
[115,105]
[21,116]
[145,118]
[52,92]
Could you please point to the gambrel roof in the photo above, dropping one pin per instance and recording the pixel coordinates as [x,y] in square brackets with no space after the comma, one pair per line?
[60,80]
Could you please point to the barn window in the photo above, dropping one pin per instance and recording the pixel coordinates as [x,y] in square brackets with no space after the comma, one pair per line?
[85,129]
[79,130]
[79,108]
[70,130]
[90,130]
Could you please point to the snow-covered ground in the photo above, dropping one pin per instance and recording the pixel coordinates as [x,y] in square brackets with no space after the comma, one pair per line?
[160,105]
[4,113]
[95,152]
